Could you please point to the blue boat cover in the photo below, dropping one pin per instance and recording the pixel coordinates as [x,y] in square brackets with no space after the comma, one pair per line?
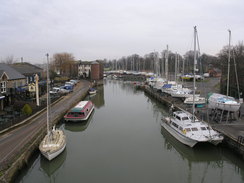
[167,86]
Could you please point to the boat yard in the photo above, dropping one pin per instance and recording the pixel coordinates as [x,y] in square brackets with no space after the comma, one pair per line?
[230,125]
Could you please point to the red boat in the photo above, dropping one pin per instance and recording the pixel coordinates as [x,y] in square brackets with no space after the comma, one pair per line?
[80,112]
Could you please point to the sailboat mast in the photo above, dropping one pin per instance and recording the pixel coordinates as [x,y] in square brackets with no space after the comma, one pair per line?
[166,63]
[48,95]
[162,68]
[176,60]
[194,73]
[228,75]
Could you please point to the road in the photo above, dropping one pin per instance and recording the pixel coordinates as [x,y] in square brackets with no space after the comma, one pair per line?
[13,142]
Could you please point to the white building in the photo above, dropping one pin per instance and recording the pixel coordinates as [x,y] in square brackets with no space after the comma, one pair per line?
[84,69]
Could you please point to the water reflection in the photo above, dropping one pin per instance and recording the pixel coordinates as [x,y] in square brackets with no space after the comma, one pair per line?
[78,126]
[200,153]
[98,98]
[50,167]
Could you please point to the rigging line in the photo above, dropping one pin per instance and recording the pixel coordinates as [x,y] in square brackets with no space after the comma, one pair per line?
[237,81]
[200,64]
[201,72]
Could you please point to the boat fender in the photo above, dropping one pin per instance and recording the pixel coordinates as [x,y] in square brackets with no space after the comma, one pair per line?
[184,131]
[167,119]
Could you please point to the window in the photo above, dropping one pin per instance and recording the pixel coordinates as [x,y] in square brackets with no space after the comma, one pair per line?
[177,117]
[185,118]
[3,87]
[188,129]
[175,125]
[203,128]
[194,129]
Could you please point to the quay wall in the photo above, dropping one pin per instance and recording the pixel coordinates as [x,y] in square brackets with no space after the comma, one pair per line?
[22,157]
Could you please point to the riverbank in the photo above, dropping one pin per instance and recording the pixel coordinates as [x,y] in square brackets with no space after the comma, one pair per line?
[18,145]
[123,141]
[233,130]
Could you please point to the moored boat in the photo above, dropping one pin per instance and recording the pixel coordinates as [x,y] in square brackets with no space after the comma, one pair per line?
[223,102]
[92,91]
[197,100]
[80,112]
[185,127]
[226,102]
[190,131]
[54,141]
[53,144]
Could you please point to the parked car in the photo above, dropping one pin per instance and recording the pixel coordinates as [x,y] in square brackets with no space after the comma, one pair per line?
[69,83]
[68,87]
[74,81]
[64,91]
[206,75]
[199,77]
[55,91]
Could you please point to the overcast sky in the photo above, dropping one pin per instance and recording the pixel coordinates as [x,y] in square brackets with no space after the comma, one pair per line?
[98,29]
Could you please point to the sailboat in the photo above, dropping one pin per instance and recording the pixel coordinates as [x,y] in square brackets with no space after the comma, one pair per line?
[54,141]
[185,127]
[224,102]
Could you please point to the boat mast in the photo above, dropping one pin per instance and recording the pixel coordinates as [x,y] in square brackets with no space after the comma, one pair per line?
[194,74]
[166,63]
[163,62]
[176,60]
[48,95]
[228,75]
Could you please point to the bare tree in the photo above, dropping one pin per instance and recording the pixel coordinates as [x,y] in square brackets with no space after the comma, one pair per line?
[64,64]
[8,60]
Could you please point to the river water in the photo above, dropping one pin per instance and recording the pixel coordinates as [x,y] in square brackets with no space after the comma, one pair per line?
[122,142]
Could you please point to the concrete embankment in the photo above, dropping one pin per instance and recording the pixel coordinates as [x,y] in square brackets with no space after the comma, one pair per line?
[19,157]
[233,131]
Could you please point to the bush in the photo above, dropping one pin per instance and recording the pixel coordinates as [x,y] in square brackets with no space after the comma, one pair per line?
[27,109]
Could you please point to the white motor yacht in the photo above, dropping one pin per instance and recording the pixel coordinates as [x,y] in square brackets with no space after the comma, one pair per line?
[190,131]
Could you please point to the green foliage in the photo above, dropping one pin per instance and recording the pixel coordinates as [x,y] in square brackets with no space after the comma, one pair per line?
[27,109]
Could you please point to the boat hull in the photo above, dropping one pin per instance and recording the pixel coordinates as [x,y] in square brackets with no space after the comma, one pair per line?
[52,146]
[223,106]
[92,92]
[185,140]
[200,100]
[51,156]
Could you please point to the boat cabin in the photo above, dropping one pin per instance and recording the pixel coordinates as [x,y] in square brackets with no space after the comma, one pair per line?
[80,112]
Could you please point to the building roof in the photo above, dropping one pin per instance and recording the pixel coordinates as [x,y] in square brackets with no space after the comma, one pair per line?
[85,62]
[26,68]
[10,72]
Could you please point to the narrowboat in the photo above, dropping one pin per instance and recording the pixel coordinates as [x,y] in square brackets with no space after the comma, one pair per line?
[80,112]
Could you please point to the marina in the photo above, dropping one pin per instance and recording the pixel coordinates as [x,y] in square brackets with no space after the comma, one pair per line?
[132,147]
[122,91]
